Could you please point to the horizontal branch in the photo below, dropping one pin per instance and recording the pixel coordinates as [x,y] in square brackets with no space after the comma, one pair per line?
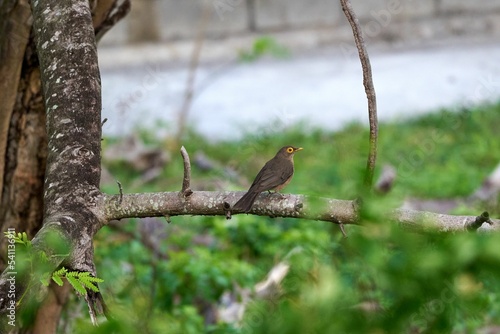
[208,203]
[443,223]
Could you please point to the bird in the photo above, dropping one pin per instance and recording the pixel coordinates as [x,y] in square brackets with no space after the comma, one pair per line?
[275,175]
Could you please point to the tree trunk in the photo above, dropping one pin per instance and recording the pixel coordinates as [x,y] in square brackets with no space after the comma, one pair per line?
[23,143]
[23,136]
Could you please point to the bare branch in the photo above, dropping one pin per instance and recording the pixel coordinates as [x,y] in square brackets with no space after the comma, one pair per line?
[369,88]
[120,188]
[107,14]
[211,203]
[186,182]
[208,203]
[435,221]
[193,68]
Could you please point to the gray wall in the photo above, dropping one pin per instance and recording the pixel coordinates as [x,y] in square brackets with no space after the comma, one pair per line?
[386,20]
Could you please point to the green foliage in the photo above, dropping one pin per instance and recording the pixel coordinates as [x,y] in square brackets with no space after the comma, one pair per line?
[264,46]
[80,281]
[382,278]
[20,238]
[385,279]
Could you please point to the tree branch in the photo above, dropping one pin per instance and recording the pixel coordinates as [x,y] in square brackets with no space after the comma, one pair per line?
[369,89]
[107,14]
[193,68]
[211,203]
[422,220]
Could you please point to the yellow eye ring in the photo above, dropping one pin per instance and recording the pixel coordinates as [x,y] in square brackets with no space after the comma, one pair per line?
[289,150]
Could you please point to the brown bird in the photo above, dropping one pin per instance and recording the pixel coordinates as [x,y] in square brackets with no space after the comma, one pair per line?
[275,175]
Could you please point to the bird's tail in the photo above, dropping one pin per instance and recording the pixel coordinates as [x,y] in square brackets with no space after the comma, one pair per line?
[245,203]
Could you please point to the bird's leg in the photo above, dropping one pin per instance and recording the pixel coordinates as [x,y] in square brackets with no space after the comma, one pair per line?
[281,195]
[269,193]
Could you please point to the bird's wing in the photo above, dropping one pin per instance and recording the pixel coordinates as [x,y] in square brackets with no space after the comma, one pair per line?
[271,176]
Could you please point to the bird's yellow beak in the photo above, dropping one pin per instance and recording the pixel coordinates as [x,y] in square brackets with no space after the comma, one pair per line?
[298,149]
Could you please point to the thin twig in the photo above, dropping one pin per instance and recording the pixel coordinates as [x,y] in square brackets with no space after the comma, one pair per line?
[120,199]
[369,89]
[104,121]
[186,182]
[193,68]
[342,229]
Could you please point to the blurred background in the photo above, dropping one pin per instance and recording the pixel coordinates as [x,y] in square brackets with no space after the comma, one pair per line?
[224,66]
[235,80]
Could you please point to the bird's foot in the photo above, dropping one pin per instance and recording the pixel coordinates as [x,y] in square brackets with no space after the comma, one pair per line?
[269,193]
[281,195]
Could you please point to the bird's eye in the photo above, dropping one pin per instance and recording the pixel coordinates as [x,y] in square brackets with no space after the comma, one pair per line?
[289,150]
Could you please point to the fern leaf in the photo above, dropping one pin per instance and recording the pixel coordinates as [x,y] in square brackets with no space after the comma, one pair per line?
[19,239]
[90,285]
[86,276]
[72,273]
[61,272]
[57,280]
[89,281]
[75,283]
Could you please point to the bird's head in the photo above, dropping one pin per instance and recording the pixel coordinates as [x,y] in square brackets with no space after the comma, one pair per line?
[288,151]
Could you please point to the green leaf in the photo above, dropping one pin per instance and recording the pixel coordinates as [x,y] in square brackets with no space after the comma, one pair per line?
[72,273]
[57,280]
[90,285]
[88,281]
[61,272]
[75,283]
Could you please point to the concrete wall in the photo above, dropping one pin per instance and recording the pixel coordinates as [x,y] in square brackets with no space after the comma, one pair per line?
[387,20]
